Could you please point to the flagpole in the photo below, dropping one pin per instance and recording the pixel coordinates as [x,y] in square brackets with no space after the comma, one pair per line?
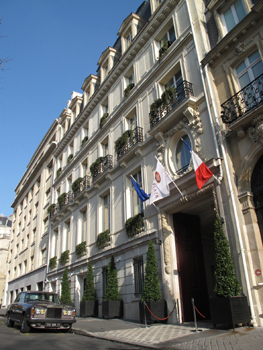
[171,179]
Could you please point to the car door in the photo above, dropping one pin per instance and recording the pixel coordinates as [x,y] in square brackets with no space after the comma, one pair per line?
[15,312]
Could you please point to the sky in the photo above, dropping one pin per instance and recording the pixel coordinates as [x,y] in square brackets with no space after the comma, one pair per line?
[53,46]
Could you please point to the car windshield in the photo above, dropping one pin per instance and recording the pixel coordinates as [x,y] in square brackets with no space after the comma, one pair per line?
[43,296]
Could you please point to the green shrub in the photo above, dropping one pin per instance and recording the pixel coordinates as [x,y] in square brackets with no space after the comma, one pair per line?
[103,119]
[121,142]
[226,282]
[94,168]
[151,286]
[168,95]
[58,172]
[134,225]
[154,108]
[51,208]
[64,257]
[84,140]
[103,239]
[61,199]
[53,262]
[80,249]
[89,291]
[112,290]
[76,184]
[69,158]
[128,89]
[65,290]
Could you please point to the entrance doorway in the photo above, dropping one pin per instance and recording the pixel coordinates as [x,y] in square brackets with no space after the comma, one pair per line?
[191,270]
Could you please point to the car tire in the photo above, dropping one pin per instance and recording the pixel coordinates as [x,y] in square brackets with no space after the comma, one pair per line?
[9,322]
[25,328]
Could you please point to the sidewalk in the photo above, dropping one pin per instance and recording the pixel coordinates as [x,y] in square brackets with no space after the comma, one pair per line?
[169,337]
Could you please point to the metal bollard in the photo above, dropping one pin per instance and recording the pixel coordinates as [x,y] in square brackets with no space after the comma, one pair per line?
[193,303]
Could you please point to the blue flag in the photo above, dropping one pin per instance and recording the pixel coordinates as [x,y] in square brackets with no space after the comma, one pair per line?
[141,194]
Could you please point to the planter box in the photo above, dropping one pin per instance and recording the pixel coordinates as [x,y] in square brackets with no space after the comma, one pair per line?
[158,308]
[89,308]
[112,308]
[231,310]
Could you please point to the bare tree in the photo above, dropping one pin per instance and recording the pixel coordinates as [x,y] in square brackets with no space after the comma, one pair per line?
[3,61]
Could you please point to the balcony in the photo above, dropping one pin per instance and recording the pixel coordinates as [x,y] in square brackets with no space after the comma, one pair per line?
[135,138]
[69,198]
[181,92]
[102,167]
[244,102]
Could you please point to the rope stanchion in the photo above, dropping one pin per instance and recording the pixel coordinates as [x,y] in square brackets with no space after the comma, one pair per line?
[199,312]
[160,319]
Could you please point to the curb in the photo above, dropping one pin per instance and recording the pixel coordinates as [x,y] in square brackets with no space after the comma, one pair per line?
[91,335]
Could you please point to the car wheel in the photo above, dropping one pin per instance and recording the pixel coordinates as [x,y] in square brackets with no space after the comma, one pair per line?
[25,328]
[9,322]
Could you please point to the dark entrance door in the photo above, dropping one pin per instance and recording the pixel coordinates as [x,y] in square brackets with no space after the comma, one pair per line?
[191,269]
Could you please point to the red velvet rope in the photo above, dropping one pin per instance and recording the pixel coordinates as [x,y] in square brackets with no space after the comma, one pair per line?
[160,319]
[199,312]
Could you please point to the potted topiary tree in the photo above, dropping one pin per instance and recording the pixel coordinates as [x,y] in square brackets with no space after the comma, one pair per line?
[65,290]
[151,294]
[112,304]
[228,307]
[89,303]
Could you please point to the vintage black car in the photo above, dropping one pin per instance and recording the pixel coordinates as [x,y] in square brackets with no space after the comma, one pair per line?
[40,310]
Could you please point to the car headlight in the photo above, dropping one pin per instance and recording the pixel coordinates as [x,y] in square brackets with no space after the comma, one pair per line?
[69,312]
[39,311]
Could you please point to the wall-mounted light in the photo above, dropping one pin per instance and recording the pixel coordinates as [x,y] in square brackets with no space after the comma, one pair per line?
[157,241]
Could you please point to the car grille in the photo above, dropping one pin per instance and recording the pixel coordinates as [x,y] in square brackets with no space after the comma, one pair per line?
[54,313]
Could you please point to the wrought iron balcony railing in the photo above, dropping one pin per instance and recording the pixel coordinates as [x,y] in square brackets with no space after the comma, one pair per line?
[137,136]
[182,91]
[250,97]
[106,164]
[83,185]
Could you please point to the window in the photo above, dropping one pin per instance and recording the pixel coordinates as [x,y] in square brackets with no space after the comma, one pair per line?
[54,243]
[17,248]
[25,266]
[36,209]
[182,155]
[133,122]
[138,276]
[83,229]
[34,235]
[28,287]
[32,262]
[106,212]
[69,183]
[136,203]
[49,169]
[40,286]
[29,216]
[232,16]
[44,256]
[15,272]
[27,239]
[128,40]
[19,269]
[168,36]
[105,148]
[249,69]
[66,236]
[22,243]
[84,167]
[47,199]
[45,223]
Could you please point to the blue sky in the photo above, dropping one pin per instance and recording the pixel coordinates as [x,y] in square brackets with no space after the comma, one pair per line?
[54,46]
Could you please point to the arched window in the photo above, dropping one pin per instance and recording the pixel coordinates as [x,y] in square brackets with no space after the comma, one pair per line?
[182,154]
[257,189]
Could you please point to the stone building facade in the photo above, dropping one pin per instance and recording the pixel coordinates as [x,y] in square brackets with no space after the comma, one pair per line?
[118,125]
[5,234]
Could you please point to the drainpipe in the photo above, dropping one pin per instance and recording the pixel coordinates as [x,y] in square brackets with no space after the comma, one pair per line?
[239,234]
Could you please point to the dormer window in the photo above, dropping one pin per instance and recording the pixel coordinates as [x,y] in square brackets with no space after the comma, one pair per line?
[233,15]
[128,40]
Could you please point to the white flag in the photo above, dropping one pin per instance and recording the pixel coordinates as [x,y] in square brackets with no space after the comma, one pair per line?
[160,187]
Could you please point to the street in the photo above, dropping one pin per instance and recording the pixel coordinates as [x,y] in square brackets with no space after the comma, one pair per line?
[11,338]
